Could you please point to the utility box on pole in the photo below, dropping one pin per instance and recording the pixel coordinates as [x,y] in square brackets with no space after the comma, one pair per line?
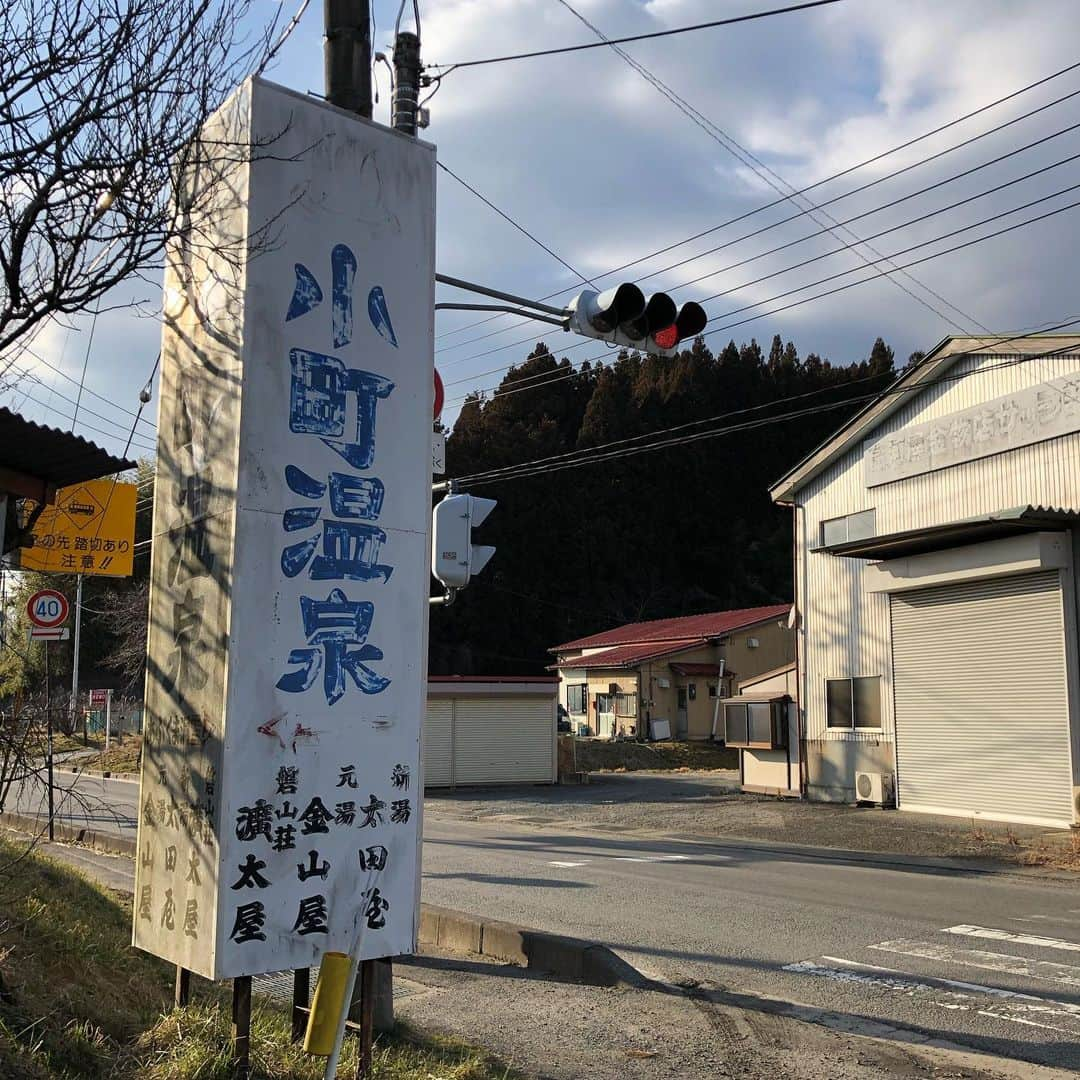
[281,784]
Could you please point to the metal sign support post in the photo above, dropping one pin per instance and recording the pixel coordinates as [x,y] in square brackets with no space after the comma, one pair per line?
[241,1027]
[49,747]
[108,716]
[75,662]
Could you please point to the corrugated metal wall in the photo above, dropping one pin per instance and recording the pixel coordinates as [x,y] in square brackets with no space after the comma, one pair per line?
[990,656]
[438,743]
[490,740]
[845,632]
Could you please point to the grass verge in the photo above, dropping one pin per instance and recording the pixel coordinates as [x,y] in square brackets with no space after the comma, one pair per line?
[597,755]
[121,757]
[78,1003]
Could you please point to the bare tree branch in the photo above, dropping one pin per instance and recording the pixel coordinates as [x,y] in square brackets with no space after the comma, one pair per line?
[99,109]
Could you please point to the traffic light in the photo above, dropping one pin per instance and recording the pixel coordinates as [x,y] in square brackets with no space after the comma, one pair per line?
[454,557]
[624,315]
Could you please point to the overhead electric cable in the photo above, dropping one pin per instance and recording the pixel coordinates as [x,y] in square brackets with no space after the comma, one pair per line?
[838,175]
[589,456]
[818,296]
[520,228]
[731,21]
[781,186]
[802,239]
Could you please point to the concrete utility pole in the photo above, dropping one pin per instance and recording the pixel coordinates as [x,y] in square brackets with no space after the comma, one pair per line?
[75,660]
[347,55]
[406,82]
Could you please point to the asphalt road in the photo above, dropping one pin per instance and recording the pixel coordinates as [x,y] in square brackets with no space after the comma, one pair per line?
[992,962]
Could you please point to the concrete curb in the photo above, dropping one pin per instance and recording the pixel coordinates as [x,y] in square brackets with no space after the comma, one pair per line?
[571,958]
[109,843]
[100,775]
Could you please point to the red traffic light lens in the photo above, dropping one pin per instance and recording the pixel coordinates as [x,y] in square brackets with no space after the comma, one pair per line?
[667,338]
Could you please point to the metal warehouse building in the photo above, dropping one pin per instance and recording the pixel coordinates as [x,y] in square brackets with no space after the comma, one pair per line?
[490,730]
[936,552]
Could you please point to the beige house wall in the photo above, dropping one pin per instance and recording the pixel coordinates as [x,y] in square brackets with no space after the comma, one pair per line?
[775,648]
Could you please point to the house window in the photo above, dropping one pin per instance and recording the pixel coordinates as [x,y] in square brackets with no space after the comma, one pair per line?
[576,697]
[755,724]
[853,703]
[691,691]
[712,689]
[850,527]
[626,704]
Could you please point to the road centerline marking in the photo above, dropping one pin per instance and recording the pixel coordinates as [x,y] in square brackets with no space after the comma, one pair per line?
[994,934]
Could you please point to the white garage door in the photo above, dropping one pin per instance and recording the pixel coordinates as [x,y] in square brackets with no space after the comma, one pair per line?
[981,700]
[504,741]
[438,743]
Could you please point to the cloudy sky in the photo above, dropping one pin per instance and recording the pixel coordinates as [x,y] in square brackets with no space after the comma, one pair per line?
[603,168]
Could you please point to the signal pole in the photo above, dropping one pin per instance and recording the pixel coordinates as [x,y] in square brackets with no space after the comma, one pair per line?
[347,55]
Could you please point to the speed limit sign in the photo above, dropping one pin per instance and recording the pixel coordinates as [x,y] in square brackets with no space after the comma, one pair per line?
[47,608]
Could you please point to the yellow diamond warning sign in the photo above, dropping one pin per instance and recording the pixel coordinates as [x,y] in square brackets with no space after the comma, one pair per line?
[89,530]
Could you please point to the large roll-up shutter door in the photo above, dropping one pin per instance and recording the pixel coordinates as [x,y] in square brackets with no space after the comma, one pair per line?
[500,740]
[981,700]
[438,743]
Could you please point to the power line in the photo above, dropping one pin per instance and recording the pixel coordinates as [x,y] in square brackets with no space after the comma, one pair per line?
[823,255]
[447,68]
[588,456]
[86,390]
[842,288]
[506,217]
[774,179]
[828,179]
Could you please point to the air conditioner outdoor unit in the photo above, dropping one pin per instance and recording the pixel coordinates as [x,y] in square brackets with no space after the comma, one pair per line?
[873,787]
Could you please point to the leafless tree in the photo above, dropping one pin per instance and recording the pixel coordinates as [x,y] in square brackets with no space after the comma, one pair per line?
[99,103]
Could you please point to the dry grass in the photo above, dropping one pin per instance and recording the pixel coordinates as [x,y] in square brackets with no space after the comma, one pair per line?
[121,757]
[600,755]
[1055,854]
[78,1003]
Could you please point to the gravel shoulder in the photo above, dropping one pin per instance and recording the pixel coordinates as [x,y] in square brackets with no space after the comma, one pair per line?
[564,1031]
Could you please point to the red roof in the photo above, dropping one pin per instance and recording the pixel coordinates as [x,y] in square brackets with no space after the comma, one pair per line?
[688,627]
[631,655]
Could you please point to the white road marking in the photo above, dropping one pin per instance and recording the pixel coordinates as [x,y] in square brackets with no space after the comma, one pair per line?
[991,961]
[566,865]
[1045,918]
[1012,1006]
[1018,939]
[664,858]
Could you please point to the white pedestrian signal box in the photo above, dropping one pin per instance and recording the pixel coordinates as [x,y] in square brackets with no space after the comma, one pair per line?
[624,315]
[454,557]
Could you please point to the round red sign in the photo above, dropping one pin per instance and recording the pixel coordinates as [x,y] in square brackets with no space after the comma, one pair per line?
[47,608]
[440,395]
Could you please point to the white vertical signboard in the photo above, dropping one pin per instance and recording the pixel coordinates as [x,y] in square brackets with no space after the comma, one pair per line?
[281,787]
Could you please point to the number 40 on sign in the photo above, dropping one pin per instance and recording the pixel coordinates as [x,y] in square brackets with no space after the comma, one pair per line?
[47,611]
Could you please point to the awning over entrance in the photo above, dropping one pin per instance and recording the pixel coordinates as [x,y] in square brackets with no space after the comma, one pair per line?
[695,669]
[1019,519]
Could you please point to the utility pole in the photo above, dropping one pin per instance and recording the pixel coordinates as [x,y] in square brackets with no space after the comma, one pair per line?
[406,82]
[49,745]
[347,55]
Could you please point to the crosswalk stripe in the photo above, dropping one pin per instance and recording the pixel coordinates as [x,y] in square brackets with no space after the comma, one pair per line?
[990,961]
[1019,939]
[1010,1005]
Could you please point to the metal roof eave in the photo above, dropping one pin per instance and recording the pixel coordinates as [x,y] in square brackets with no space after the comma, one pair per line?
[1018,519]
